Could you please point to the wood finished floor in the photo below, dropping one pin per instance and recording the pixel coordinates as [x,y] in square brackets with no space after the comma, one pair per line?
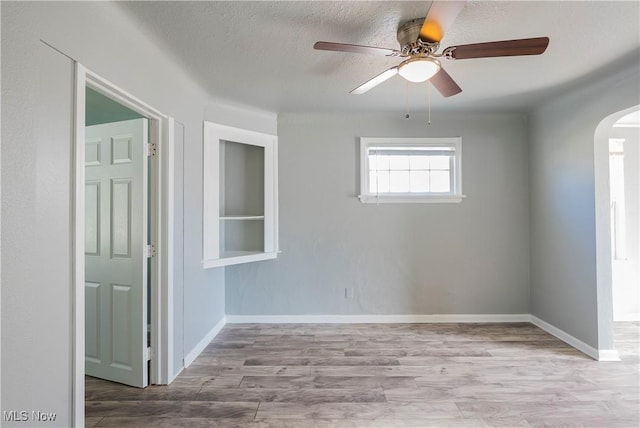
[384,375]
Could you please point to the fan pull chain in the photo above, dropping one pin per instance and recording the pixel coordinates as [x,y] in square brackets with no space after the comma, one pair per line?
[429,101]
[406,100]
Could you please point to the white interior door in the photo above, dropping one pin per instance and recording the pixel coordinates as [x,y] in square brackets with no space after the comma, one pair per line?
[115,262]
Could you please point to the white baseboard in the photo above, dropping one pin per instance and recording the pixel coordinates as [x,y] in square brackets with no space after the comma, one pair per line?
[193,354]
[596,354]
[608,355]
[173,377]
[381,319]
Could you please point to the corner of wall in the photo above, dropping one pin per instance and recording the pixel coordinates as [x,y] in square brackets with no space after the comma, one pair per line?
[241,116]
[200,346]
[566,264]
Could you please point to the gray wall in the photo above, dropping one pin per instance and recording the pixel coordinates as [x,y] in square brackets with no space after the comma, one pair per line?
[467,258]
[562,197]
[37,104]
[242,117]
[36,212]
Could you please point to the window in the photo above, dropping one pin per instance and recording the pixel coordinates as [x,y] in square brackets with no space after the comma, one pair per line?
[410,170]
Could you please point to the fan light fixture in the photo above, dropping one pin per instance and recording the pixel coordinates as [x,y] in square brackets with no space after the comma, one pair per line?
[419,69]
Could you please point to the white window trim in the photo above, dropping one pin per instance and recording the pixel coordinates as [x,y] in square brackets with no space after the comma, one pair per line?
[367,197]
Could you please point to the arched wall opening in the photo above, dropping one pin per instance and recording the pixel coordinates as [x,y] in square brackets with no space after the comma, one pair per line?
[603,133]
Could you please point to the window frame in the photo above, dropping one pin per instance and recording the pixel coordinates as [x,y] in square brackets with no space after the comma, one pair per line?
[455,196]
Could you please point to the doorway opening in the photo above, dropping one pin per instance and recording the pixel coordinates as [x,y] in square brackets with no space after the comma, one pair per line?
[617,191]
[123,228]
[118,231]
[624,182]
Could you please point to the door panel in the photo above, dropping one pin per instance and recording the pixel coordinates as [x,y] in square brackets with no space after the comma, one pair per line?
[121,218]
[92,321]
[121,322]
[115,265]
[92,218]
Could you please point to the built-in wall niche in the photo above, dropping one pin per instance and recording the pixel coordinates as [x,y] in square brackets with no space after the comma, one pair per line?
[240,196]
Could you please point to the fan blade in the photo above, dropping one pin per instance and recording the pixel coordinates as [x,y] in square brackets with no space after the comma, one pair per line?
[534,46]
[440,17]
[372,83]
[343,47]
[445,84]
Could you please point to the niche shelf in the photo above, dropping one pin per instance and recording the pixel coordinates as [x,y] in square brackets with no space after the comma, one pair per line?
[240,196]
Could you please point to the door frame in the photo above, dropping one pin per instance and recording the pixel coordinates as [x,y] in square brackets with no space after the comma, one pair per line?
[161,218]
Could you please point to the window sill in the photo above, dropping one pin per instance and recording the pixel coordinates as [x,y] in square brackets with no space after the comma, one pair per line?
[404,199]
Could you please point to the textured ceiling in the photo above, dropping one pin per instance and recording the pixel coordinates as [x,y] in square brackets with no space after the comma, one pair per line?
[261,53]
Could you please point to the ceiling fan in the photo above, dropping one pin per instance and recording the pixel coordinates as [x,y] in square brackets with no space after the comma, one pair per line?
[419,42]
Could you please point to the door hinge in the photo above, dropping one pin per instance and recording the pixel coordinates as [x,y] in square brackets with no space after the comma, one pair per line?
[149,251]
[148,354]
[152,149]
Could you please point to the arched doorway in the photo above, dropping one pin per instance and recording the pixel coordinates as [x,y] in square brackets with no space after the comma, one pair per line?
[609,250]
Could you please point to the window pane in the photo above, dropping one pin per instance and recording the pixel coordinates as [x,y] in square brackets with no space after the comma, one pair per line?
[616,145]
[399,162]
[439,162]
[399,181]
[379,182]
[378,162]
[373,183]
[440,181]
[419,162]
[419,181]
[373,163]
